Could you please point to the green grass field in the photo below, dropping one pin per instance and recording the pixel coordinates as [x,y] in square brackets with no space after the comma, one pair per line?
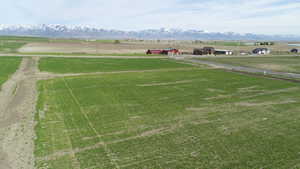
[8,65]
[10,47]
[79,65]
[225,43]
[276,63]
[11,44]
[23,39]
[200,118]
[83,40]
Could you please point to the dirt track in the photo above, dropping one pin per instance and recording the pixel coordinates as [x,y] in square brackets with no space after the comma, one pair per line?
[47,75]
[267,73]
[17,105]
[83,56]
[90,47]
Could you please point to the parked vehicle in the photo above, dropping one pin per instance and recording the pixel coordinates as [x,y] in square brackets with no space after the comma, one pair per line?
[295,51]
[261,51]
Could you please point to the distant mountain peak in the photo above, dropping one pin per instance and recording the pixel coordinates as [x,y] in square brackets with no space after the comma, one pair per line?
[85,31]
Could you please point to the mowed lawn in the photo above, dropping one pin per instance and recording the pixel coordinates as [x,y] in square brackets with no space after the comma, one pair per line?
[276,63]
[8,65]
[180,119]
[79,65]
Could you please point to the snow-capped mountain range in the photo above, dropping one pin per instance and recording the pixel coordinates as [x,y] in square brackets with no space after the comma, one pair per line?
[63,31]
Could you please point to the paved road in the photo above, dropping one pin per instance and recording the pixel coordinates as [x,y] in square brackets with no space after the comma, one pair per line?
[246,69]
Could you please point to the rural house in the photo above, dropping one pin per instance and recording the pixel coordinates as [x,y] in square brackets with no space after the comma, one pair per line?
[208,51]
[211,51]
[264,43]
[198,51]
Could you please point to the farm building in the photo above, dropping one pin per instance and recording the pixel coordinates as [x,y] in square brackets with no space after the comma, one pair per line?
[223,52]
[261,51]
[208,51]
[211,51]
[198,51]
[162,51]
[264,43]
[204,51]
[295,51]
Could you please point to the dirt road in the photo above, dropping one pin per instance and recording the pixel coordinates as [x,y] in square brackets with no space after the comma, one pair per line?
[247,69]
[17,105]
[83,56]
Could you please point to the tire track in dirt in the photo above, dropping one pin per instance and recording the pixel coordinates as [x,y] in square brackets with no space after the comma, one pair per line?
[17,106]
[49,75]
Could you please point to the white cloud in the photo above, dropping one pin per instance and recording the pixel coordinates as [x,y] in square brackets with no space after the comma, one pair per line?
[263,16]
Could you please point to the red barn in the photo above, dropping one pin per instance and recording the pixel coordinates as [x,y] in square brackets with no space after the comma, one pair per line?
[162,51]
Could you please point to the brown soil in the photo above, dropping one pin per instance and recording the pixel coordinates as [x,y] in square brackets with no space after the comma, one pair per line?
[129,47]
[94,48]
[17,106]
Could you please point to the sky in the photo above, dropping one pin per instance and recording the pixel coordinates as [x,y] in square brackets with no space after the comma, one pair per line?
[240,16]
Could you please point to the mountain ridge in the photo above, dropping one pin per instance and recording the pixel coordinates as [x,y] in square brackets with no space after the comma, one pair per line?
[84,31]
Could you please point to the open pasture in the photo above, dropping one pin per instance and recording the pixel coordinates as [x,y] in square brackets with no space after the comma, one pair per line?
[109,47]
[10,47]
[8,65]
[199,118]
[276,63]
[23,39]
[79,65]
[11,44]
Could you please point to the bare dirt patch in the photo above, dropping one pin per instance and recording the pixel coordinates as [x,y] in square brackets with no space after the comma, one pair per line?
[165,84]
[17,106]
[275,67]
[250,104]
[270,92]
[48,75]
[93,48]
[221,96]
[248,89]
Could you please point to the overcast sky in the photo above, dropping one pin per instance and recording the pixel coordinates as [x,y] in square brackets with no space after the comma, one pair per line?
[242,16]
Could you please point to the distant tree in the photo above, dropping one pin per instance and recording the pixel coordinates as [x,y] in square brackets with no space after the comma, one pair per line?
[197,41]
[117,42]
